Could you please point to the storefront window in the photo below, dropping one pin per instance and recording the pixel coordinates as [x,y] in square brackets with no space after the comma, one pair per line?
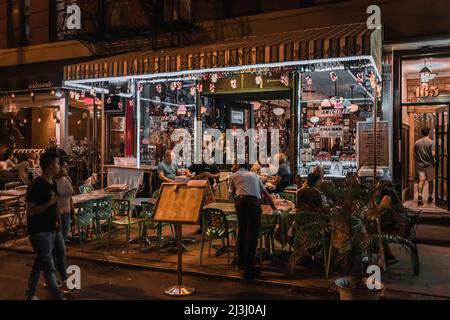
[332,104]
[165,106]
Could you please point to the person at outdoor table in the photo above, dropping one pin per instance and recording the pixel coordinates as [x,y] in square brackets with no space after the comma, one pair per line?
[6,176]
[248,190]
[22,168]
[10,160]
[167,169]
[204,171]
[43,224]
[282,179]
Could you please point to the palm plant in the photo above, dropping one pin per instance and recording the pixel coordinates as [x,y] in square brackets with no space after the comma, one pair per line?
[346,230]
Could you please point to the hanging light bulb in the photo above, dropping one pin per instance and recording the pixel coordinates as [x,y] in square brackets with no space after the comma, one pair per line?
[32,94]
[39,120]
[25,120]
[53,92]
[233,83]
[258,80]
[13,95]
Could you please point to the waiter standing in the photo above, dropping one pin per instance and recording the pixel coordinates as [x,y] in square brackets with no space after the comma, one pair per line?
[247,190]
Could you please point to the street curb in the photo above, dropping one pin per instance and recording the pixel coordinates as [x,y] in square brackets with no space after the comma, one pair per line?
[307,289]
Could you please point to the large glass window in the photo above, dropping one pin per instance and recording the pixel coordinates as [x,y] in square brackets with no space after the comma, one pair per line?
[332,104]
[164,107]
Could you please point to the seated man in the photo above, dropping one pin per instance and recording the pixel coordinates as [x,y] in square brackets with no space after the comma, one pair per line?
[204,171]
[6,176]
[167,169]
[282,179]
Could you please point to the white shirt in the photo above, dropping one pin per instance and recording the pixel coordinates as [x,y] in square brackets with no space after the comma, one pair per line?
[246,183]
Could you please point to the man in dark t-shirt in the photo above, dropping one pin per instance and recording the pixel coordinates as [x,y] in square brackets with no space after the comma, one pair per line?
[205,170]
[43,222]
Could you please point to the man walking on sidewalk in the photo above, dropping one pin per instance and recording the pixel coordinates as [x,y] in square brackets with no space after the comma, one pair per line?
[43,222]
[424,153]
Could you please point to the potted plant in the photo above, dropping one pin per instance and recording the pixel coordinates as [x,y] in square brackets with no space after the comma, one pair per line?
[346,231]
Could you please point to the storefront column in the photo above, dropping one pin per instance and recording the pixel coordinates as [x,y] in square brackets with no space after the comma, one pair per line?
[293,134]
[129,128]
[103,143]
[64,122]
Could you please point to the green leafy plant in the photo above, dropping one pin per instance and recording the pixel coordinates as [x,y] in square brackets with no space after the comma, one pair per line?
[346,230]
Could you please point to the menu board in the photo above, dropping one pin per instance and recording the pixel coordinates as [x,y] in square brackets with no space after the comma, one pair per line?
[365,143]
[179,203]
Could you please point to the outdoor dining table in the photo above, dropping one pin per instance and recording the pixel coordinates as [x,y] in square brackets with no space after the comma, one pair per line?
[91,196]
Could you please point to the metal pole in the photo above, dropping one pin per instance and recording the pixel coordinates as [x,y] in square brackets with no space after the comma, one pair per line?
[103,146]
[375,103]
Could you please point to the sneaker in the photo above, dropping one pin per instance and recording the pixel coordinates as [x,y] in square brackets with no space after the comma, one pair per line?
[32,298]
[430,199]
[420,201]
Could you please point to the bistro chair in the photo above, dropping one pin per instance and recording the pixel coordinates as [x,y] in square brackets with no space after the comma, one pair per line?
[86,217]
[287,196]
[215,227]
[130,194]
[267,235]
[121,217]
[147,214]
[85,188]
[103,208]
[155,194]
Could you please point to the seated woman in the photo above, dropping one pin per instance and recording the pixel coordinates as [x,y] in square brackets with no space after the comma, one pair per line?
[22,168]
[282,179]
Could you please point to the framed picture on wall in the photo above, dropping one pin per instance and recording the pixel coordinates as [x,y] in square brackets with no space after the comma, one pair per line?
[237,117]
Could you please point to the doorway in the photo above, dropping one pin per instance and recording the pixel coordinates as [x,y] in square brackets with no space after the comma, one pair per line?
[434,116]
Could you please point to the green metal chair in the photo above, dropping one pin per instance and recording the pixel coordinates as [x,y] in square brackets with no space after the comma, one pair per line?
[85,218]
[130,194]
[267,235]
[103,209]
[147,214]
[215,227]
[287,196]
[155,194]
[84,188]
[121,217]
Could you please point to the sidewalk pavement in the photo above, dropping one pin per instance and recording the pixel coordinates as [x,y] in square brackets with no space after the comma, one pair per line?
[433,282]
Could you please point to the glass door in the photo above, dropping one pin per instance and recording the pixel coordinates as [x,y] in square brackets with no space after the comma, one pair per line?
[442,159]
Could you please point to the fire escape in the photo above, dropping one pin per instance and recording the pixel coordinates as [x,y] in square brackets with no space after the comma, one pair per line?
[118,26]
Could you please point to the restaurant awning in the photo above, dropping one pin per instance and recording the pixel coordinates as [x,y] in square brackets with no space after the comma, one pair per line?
[337,43]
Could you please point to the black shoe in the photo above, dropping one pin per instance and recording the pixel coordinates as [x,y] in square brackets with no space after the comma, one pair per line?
[430,199]
[250,275]
[420,201]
